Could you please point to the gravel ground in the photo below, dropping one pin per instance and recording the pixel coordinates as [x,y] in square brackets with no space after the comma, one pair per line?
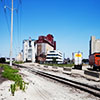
[77,78]
[41,88]
[77,74]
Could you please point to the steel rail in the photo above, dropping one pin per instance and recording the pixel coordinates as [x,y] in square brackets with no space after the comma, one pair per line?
[87,88]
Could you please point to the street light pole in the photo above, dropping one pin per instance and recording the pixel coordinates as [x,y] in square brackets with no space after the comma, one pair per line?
[11,34]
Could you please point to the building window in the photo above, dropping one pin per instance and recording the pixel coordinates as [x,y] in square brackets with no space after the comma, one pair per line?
[51,51]
[29,50]
[29,56]
[53,58]
[29,43]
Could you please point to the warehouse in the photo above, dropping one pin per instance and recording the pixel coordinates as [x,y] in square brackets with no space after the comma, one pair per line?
[54,56]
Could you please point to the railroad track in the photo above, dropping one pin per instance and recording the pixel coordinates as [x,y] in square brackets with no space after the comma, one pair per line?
[87,88]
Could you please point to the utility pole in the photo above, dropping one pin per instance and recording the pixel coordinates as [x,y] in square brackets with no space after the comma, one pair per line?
[11,40]
[11,34]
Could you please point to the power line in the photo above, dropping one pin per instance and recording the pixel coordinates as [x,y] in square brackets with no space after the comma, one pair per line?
[19,22]
[11,42]
[5,14]
[8,26]
[17,38]
[18,4]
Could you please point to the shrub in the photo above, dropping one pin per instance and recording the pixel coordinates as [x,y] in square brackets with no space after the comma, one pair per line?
[12,74]
[20,62]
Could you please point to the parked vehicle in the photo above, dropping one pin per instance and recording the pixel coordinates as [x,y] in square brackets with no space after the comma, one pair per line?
[94,60]
[78,56]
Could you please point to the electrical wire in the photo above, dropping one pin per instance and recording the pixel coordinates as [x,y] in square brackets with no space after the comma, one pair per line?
[20,20]
[6,18]
[5,14]
[18,23]
[18,26]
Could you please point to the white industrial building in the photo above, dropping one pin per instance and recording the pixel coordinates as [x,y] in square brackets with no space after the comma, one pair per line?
[94,45]
[19,57]
[29,50]
[54,54]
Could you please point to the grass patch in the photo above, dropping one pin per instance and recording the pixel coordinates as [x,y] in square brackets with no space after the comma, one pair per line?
[20,62]
[12,74]
[60,65]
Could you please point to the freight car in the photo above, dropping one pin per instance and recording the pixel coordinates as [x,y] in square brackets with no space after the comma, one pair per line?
[94,60]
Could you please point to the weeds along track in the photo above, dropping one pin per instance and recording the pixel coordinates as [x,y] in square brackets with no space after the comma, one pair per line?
[84,87]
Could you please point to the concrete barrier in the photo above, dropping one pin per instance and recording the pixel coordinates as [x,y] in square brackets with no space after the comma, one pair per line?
[55,67]
[32,65]
[38,65]
[92,73]
[46,66]
[67,68]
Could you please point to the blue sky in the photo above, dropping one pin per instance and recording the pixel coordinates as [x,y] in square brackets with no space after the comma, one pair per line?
[71,22]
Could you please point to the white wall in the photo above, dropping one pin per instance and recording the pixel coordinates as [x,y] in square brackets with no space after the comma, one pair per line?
[25,51]
[95,45]
[57,53]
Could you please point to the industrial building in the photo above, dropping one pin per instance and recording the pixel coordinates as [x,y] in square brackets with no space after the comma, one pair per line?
[54,56]
[43,45]
[19,57]
[36,50]
[29,50]
[94,45]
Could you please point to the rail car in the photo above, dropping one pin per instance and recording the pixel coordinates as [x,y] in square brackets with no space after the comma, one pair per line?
[94,60]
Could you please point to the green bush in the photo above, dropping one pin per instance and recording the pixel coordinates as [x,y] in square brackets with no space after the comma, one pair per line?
[20,62]
[12,74]
[1,65]
[17,85]
[61,65]
[9,69]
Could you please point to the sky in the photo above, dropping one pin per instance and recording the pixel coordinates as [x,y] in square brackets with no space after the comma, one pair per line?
[71,22]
